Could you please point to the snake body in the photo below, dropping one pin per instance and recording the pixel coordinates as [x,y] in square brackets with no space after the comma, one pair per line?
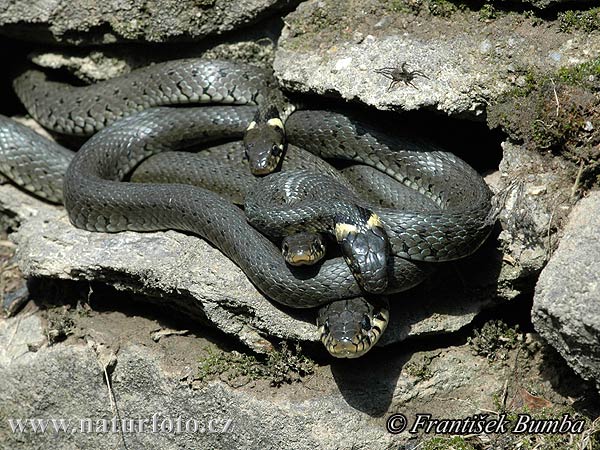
[463,196]
[224,169]
[97,200]
[84,110]
[37,165]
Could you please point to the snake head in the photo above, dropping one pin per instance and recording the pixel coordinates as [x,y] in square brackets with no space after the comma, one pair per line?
[350,328]
[264,144]
[303,249]
[365,247]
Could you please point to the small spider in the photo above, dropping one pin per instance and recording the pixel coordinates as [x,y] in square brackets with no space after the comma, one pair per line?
[400,75]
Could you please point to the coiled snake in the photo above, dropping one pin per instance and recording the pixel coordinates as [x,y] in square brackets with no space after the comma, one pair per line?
[97,200]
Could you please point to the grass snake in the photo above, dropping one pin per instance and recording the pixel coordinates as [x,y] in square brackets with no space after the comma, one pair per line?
[97,200]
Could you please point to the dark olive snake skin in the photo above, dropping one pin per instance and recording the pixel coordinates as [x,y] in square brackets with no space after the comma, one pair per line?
[36,164]
[464,198]
[86,109]
[97,200]
[224,170]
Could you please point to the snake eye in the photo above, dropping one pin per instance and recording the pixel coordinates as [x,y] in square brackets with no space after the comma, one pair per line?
[246,157]
[276,150]
[365,323]
[285,247]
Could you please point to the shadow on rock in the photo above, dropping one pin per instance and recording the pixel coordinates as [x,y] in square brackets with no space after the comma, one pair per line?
[567,383]
[453,295]
[368,384]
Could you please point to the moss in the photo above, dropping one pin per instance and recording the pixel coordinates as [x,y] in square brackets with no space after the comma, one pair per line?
[60,325]
[283,366]
[395,5]
[558,112]
[420,368]
[420,371]
[441,8]
[493,339]
[527,85]
[534,19]
[586,74]
[445,443]
[579,20]
[487,12]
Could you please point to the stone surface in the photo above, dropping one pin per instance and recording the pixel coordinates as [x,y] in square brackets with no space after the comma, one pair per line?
[108,62]
[566,307]
[534,191]
[340,406]
[68,382]
[91,21]
[465,61]
[171,268]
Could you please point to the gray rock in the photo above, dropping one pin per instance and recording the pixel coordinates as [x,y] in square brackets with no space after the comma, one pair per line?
[171,268]
[339,406]
[467,62]
[566,308]
[91,21]
[111,61]
[534,192]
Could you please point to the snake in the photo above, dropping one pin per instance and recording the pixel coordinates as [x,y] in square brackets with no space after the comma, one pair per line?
[347,327]
[131,124]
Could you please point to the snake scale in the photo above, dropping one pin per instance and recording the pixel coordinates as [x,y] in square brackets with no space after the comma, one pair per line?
[97,200]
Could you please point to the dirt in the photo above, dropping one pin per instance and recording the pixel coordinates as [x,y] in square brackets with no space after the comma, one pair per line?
[325,23]
[558,114]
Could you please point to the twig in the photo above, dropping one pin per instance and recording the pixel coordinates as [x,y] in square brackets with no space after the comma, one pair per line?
[577,180]
[111,394]
[16,328]
[6,243]
[555,97]
[549,236]
[113,402]
[504,394]
[515,379]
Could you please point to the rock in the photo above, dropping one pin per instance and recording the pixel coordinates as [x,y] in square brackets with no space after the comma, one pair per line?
[534,192]
[566,306]
[93,22]
[108,62]
[464,61]
[110,367]
[171,268]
